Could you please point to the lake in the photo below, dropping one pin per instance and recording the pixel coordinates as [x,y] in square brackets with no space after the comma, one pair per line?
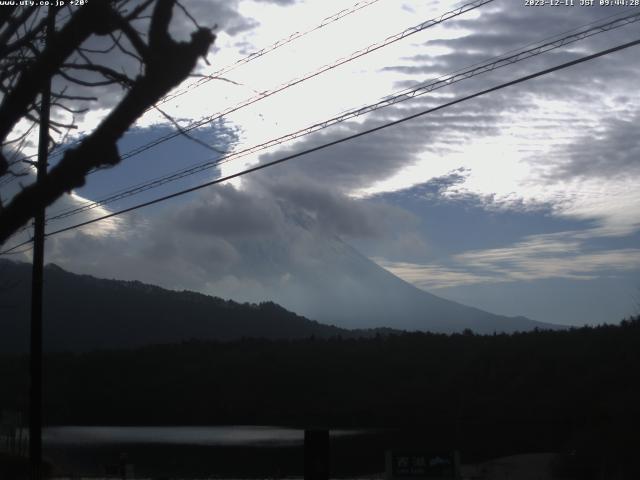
[202,451]
[203,436]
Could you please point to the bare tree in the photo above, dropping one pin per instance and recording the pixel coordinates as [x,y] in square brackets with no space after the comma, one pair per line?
[137,30]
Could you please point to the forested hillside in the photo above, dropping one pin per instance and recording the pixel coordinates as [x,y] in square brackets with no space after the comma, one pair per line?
[82,313]
[536,391]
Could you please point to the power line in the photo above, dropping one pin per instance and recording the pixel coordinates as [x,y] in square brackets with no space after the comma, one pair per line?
[264,51]
[551,43]
[344,139]
[274,46]
[13,251]
[401,96]
[355,55]
[244,60]
[268,93]
[359,53]
[620,15]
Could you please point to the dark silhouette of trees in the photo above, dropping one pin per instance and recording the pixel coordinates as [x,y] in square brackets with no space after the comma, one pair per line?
[89,318]
[137,31]
[572,391]
[570,378]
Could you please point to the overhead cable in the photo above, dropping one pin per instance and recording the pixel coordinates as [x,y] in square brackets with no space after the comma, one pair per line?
[274,46]
[396,98]
[309,75]
[343,139]
[251,56]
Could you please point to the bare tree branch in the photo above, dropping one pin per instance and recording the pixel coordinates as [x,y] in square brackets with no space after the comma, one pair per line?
[13,25]
[86,83]
[166,64]
[187,14]
[143,48]
[138,10]
[23,41]
[81,25]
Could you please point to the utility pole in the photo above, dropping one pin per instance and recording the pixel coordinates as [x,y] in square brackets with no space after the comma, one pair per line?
[35,358]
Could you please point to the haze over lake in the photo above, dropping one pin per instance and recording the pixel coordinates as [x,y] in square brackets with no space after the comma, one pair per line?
[237,435]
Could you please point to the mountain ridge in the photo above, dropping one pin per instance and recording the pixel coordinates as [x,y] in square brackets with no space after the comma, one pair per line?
[143,314]
[365,295]
[130,313]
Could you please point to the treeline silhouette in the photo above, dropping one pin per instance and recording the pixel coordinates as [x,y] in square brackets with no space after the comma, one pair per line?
[575,390]
[83,313]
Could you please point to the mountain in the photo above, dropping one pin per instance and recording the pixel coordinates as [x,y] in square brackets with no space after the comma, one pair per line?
[355,292]
[320,276]
[82,313]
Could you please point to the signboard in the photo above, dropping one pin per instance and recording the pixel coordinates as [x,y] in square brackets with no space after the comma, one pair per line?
[427,465]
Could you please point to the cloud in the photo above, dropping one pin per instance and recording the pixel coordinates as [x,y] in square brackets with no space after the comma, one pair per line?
[502,30]
[112,226]
[229,212]
[223,14]
[430,277]
[366,162]
[531,116]
[559,255]
[360,163]
[518,266]
[261,233]
[613,151]
[564,255]
[566,127]
[332,210]
[535,246]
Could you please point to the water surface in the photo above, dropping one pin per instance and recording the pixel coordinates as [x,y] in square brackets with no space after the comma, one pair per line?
[244,435]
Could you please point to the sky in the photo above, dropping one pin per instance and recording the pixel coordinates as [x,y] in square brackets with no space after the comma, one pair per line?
[523,201]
